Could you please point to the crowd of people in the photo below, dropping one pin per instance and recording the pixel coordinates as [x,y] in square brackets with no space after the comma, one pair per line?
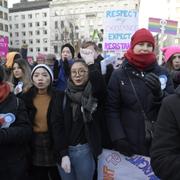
[56,116]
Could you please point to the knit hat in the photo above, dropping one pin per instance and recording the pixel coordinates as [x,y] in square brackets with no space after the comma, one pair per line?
[170,51]
[10,57]
[70,48]
[45,67]
[142,35]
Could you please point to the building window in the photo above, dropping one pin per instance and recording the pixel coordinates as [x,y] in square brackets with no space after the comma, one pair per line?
[17,42]
[30,16]
[23,25]
[44,31]
[56,24]
[10,34]
[45,49]
[37,15]
[29,24]
[16,26]
[56,37]
[22,16]
[1,26]
[6,28]
[44,23]
[5,16]
[23,41]
[23,33]
[62,24]
[30,41]
[16,34]
[44,14]
[37,49]
[37,24]
[55,49]
[16,17]
[10,26]
[5,4]
[1,3]
[45,40]
[30,33]
[10,18]
[38,41]
[37,32]
[11,43]
[31,49]
[1,14]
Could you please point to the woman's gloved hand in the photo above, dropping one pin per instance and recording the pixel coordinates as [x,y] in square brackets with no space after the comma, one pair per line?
[152,81]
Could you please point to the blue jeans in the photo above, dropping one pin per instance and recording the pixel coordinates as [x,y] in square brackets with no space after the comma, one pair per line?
[82,163]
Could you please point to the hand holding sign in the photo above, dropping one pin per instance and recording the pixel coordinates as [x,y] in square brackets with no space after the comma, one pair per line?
[87,55]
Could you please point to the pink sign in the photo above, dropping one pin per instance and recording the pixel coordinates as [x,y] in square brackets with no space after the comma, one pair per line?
[3,46]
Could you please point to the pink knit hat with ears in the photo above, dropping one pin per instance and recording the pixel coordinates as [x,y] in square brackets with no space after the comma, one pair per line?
[170,51]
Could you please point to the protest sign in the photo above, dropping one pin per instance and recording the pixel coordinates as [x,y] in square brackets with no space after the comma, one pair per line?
[115,166]
[3,46]
[119,25]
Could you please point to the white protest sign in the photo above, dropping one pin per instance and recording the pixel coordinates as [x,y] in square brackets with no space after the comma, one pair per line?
[119,25]
[115,166]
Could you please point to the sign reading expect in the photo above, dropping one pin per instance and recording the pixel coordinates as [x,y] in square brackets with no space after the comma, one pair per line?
[3,46]
[119,25]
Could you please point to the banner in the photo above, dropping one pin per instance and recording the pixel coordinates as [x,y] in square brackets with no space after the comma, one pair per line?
[119,25]
[3,46]
[163,26]
[115,166]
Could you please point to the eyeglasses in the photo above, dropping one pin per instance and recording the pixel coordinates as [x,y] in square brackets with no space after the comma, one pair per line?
[81,72]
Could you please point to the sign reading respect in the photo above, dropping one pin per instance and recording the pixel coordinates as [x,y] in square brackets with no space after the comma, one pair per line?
[119,25]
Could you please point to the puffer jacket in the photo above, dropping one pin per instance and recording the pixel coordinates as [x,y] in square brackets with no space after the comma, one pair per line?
[123,112]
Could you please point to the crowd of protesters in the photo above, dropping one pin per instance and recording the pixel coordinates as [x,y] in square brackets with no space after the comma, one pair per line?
[56,116]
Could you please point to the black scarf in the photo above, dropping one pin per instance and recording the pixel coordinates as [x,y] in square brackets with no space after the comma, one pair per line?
[81,101]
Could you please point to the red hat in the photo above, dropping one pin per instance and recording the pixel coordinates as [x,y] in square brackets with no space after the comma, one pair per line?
[142,35]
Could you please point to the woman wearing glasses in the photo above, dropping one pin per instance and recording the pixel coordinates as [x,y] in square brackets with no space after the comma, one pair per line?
[77,134]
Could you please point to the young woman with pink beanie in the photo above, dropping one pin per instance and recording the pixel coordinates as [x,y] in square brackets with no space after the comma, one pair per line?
[172,60]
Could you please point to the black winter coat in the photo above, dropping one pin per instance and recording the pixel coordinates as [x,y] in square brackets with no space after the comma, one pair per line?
[165,151]
[123,113]
[62,118]
[28,99]
[13,140]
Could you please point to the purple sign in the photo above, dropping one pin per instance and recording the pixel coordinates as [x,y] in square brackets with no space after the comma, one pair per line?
[3,46]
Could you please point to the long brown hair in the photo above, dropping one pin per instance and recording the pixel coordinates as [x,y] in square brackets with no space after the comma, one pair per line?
[26,78]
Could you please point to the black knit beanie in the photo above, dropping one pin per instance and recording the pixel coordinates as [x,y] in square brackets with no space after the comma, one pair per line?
[70,47]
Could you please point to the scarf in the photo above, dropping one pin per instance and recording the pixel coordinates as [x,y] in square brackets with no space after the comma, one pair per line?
[4,91]
[81,101]
[141,61]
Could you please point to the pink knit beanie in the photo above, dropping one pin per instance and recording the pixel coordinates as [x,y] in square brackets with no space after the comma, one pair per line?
[170,51]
